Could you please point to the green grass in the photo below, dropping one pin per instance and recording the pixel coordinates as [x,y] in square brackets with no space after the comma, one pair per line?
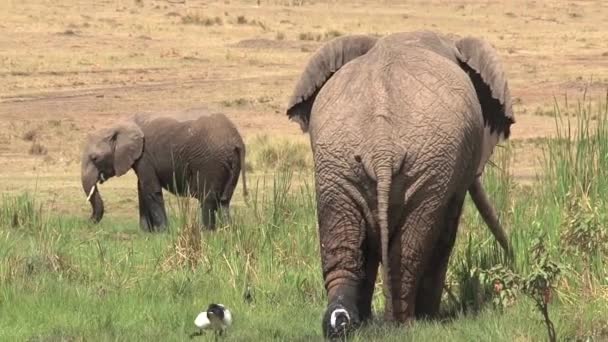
[63,278]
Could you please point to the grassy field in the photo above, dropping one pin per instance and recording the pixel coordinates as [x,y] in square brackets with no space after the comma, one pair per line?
[70,66]
[62,278]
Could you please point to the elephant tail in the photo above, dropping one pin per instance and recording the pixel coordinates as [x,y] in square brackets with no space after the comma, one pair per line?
[384,177]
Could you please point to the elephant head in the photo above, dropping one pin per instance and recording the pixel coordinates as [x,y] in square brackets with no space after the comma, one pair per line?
[108,152]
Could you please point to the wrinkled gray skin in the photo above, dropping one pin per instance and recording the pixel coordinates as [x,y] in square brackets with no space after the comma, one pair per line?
[401,128]
[197,154]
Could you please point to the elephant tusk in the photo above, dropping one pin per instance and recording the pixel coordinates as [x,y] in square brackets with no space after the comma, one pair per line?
[91,192]
[102,177]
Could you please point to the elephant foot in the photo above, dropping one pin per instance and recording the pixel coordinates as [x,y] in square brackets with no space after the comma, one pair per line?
[339,321]
[159,229]
[153,229]
[153,224]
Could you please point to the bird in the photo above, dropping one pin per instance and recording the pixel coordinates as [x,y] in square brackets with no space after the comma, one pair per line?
[217,317]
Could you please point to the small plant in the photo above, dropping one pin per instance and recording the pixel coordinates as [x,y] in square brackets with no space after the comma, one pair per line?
[30,135]
[540,283]
[583,229]
[309,36]
[38,149]
[280,36]
[295,3]
[240,102]
[333,34]
[197,19]
[55,123]
[504,282]
[241,20]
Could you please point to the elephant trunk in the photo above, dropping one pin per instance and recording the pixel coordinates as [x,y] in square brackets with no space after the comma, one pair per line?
[482,202]
[90,177]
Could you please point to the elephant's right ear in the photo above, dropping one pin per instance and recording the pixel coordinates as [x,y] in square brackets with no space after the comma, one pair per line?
[321,66]
[129,144]
[481,62]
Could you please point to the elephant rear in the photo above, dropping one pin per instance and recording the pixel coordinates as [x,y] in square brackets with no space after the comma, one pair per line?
[225,155]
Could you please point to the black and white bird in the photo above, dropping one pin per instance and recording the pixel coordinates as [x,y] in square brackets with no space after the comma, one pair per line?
[216,317]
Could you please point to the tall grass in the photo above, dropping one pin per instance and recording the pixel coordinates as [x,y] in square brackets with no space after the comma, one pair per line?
[576,161]
[576,177]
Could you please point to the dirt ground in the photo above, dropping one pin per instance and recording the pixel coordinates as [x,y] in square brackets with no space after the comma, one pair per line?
[69,66]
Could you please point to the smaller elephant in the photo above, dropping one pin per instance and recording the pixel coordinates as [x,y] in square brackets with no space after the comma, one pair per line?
[193,153]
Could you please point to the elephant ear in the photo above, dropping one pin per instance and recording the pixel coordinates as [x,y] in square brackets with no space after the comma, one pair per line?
[128,146]
[321,66]
[480,60]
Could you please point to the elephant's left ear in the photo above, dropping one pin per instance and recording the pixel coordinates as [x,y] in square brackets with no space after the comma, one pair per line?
[129,145]
[480,60]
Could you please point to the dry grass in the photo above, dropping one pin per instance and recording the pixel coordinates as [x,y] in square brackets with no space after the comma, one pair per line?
[37,149]
[69,71]
[186,251]
[198,19]
[30,135]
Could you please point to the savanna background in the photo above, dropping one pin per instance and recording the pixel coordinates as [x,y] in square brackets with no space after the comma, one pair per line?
[69,66]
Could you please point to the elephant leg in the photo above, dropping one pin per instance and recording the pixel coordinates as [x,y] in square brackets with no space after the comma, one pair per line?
[342,233]
[152,214]
[431,286]
[224,211]
[410,249]
[372,260]
[227,193]
[209,206]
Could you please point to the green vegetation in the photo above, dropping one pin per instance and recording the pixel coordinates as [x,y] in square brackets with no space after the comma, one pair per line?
[62,278]
[265,153]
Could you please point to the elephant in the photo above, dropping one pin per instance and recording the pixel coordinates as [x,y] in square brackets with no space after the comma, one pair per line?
[194,153]
[400,129]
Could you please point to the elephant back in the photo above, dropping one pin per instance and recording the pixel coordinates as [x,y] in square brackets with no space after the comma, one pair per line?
[403,42]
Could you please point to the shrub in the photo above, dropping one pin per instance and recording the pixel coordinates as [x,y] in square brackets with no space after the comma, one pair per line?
[38,149]
[197,19]
[241,20]
[279,154]
[30,135]
[584,226]
[309,36]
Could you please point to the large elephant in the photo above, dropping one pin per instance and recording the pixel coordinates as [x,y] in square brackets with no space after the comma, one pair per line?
[197,153]
[401,128]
